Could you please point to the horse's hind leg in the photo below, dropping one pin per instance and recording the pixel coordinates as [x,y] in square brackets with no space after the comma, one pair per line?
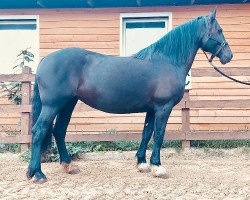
[59,131]
[146,135]
[39,131]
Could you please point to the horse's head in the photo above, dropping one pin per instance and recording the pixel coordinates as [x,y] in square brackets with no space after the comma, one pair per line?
[213,40]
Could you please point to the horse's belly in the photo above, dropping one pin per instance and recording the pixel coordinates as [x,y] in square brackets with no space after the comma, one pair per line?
[115,108]
[114,103]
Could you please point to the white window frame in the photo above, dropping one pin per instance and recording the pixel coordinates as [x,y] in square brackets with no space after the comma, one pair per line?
[36,17]
[127,16]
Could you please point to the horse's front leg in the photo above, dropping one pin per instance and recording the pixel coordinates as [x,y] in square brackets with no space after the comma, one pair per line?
[143,166]
[161,117]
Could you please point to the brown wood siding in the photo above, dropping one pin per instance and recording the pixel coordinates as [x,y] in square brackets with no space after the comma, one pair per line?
[98,30]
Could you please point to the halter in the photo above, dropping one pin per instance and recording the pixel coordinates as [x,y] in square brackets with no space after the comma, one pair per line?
[209,37]
[222,45]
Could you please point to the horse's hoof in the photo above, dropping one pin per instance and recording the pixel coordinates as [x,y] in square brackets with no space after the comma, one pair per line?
[159,171]
[75,171]
[40,181]
[28,176]
[144,167]
[30,173]
[70,169]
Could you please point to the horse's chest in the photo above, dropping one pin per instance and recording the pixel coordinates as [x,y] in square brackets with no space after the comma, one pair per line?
[169,89]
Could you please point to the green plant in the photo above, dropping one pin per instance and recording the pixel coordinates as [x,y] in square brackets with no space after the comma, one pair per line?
[52,154]
[25,156]
[76,148]
[220,144]
[13,90]
[14,148]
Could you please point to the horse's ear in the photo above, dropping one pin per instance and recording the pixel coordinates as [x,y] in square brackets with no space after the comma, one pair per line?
[212,15]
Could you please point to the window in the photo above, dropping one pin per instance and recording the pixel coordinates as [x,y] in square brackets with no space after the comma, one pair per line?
[139,30]
[18,33]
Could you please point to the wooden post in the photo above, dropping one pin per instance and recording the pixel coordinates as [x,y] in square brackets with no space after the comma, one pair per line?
[25,116]
[185,120]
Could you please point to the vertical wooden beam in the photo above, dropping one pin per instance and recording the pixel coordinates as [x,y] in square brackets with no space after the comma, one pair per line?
[185,120]
[25,116]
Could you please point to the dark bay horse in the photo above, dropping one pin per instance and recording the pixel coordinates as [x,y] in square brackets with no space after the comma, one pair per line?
[150,81]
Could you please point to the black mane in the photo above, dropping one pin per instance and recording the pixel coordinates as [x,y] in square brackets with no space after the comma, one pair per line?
[174,44]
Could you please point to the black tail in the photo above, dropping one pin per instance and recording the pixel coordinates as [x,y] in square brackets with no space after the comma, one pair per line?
[36,110]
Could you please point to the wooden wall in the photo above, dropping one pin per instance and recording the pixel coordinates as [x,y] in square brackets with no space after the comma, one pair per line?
[98,30]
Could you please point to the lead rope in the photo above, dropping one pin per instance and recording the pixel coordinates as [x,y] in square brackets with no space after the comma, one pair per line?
[218,70]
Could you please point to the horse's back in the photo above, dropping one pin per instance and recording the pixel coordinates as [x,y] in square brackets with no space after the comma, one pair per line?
[61,59]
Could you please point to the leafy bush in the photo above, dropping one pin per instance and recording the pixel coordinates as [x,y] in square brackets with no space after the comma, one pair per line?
[14,148]
[220,144]
[13,90]
[75,149]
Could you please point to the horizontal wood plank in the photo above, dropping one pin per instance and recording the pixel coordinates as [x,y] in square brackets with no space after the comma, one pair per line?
[220,98]
[110,127]
[219,127]
[16,77]
[209,71]
[222,20]
[136,136]
[76,38]
[232,63]
[208,135]
[79,31]
[116,120]
[219,104]
[15,108]
[86,45]
[230,92]
[221,85]
[220,113]
[83,24]
[219,119]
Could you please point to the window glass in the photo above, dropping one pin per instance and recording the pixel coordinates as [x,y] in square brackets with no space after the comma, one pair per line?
[16,34]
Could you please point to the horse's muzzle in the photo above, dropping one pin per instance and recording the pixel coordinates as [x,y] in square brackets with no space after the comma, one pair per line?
[226,58]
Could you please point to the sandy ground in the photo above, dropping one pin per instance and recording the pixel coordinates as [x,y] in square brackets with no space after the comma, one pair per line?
[193,174]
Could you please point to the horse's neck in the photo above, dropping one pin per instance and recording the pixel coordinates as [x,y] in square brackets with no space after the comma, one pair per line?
[186,48]
[191,56]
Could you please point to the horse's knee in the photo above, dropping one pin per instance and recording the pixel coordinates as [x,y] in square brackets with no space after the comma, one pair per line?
[38,139]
